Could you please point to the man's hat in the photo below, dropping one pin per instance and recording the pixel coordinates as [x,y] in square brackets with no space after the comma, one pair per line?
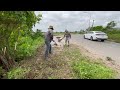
[66,30]
[51,27]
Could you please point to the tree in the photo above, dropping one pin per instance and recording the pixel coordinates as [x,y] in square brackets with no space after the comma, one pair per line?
[97,28]
[111,24]
[37,34]
[11,24]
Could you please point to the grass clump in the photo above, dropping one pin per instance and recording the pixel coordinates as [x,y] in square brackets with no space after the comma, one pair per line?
[17,73]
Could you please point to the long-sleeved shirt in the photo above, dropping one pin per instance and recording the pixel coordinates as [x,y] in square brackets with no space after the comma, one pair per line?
[48,36]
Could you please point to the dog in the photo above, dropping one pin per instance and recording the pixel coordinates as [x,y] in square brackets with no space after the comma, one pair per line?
[60,43]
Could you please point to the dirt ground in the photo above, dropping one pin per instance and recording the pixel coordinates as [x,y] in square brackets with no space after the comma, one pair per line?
[54,67]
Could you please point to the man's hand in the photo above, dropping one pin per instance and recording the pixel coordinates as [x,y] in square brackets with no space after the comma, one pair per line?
[55,43]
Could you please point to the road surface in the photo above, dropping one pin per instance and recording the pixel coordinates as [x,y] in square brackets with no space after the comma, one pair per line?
[103,49]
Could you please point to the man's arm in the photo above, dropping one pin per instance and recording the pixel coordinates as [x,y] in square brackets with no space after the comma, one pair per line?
[52,38]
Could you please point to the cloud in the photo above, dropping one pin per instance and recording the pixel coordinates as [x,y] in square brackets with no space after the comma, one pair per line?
[75,20]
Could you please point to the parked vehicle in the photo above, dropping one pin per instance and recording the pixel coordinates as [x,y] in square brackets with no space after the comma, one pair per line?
[96,35]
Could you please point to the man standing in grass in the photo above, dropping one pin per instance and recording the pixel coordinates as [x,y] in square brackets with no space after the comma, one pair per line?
[48,39]
[67,37]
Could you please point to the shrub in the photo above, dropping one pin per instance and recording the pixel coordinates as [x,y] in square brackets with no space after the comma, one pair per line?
[27,47]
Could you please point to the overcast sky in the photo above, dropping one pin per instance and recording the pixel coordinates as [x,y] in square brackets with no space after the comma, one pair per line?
[75,20]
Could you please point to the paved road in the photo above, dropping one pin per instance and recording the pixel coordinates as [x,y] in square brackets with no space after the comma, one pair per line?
[104,49]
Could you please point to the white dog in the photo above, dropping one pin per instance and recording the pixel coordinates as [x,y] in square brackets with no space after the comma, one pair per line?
[58,43]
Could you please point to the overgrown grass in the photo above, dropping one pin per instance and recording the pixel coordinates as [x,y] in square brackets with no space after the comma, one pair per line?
[114,37]
[84,68]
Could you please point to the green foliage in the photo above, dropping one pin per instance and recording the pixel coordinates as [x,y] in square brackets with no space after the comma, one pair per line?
[17,73]
[27,46]
[1,72]
[111,24]
[97,28]
[36,34]
[12,22]
[16,32]
[114,37]
[89,70]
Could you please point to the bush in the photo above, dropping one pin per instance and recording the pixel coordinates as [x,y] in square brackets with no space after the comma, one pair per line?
[27,47]
[114,35]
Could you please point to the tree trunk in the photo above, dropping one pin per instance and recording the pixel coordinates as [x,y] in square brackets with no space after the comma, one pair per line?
[4,63]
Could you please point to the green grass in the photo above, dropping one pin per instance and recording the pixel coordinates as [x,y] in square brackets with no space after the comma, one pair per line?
[85,68]
[89,70]
[17,73]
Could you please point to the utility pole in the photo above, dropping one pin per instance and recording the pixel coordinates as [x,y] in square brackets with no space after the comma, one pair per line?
[89,19]
[92,23]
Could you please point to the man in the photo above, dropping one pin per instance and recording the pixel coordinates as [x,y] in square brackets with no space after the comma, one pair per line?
[68,37]
[48,39]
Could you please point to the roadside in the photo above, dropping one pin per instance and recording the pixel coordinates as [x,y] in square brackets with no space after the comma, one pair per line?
[36,68]
[95,57]
[66,63]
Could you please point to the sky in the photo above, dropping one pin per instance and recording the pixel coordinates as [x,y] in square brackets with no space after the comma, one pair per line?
[75,20]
